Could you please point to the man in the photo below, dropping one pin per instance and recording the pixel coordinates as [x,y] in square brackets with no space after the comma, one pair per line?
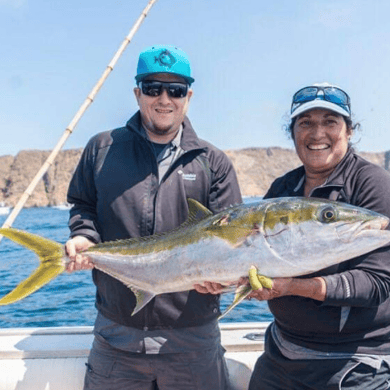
[133,182]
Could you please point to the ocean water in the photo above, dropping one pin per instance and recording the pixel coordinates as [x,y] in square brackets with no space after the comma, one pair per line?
[68,300]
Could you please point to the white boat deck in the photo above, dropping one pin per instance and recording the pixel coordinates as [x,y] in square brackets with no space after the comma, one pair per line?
[54,358]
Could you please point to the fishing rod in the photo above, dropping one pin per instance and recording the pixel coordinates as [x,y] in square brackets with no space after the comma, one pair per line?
[68,131]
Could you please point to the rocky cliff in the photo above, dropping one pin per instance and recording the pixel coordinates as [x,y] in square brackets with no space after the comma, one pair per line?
[256,169]
[17,172]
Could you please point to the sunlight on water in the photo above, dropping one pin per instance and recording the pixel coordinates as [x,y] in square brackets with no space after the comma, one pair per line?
[69,299]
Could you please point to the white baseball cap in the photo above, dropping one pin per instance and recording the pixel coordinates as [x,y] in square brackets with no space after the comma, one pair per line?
[321,95]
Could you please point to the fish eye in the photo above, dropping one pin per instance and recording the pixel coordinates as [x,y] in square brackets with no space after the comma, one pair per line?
[327,214]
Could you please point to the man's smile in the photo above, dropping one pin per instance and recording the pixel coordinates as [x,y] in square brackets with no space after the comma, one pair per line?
[164,110]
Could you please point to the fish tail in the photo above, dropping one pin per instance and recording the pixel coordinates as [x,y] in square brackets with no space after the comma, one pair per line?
[50,255]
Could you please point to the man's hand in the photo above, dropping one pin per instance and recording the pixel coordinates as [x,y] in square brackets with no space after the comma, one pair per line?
[211,287]
[77,261]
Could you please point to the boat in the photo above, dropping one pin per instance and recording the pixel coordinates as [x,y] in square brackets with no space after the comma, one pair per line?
[54,358]
[4,210]
[64,206]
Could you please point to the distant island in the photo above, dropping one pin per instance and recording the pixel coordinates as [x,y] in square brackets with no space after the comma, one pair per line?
[256,169]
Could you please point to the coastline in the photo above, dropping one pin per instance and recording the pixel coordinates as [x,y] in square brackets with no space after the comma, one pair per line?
[256,169]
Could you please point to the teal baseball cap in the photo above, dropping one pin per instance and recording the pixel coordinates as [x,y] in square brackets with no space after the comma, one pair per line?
[164,59]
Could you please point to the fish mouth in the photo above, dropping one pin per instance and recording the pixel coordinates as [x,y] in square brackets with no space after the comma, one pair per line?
[380,223]
[348,232]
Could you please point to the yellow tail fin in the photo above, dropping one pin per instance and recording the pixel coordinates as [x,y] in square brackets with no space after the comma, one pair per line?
[50,256]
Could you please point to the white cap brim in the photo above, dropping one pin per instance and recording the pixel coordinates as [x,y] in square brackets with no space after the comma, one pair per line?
[319,103]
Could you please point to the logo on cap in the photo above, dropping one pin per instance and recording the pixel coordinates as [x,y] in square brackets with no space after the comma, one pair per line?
[165,58]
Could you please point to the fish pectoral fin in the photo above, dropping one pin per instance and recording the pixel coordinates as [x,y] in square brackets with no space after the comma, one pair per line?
[234,234]
[143,298]
[241,293]
[258,281]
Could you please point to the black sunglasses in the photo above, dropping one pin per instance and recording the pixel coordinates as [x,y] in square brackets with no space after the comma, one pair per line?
[155,88]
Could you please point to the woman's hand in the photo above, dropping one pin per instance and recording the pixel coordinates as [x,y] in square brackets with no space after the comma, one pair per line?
[280,287]
[314,288]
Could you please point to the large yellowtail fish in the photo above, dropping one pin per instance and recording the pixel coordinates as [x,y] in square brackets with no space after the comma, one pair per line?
[283,237]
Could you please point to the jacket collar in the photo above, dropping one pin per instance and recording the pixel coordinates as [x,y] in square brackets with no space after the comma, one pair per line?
[342,170]
[189,140]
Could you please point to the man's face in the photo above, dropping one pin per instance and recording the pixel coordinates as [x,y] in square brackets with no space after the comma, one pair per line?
[162,115]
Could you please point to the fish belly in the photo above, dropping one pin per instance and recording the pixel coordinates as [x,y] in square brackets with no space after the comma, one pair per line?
[180,268]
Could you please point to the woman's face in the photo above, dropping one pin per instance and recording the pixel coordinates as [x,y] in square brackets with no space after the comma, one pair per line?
[321,140]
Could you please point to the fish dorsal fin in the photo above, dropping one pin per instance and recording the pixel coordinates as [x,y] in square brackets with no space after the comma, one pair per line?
[196,213]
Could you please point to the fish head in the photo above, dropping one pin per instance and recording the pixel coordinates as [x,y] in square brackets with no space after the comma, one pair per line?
[312,234]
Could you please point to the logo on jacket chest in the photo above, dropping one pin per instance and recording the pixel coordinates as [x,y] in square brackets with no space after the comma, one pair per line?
[187,176]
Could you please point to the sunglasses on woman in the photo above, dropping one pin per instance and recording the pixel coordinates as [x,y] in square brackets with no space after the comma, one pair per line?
[330,94]
[155,88]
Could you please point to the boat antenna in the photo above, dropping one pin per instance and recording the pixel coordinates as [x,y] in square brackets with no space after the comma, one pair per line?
[68,131]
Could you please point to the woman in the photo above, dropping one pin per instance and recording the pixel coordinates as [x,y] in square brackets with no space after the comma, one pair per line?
[331,328]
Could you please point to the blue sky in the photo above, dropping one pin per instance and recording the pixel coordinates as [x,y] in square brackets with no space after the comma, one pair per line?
[248,58]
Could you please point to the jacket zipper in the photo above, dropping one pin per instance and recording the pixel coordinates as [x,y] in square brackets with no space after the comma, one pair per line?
[167,173]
